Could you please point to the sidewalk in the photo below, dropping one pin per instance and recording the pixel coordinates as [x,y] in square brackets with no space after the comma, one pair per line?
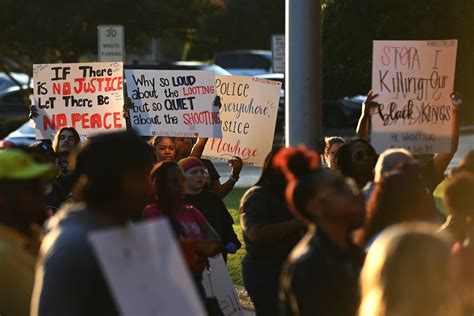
[245,300]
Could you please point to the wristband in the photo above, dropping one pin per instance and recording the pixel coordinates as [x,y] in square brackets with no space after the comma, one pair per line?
[231,178]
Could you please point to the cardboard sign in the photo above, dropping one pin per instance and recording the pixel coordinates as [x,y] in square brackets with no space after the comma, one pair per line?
[219,284]
[278,53]
[414,80]
[88,97]
[248,113]
[173,103]
[145,270]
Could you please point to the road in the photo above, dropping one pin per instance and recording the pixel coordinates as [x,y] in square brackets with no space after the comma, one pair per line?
[250,175]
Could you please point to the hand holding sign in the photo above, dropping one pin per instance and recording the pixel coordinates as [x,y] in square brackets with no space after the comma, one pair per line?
[369,106]
[236,164]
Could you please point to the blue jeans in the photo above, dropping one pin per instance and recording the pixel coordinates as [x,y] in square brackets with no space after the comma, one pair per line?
[261,280]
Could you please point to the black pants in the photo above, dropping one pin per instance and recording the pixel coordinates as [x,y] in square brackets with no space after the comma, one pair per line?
[261,281]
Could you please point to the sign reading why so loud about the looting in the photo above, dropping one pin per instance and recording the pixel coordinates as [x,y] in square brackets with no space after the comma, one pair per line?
[173,103]
[86,96]
[414,80]
[248,113]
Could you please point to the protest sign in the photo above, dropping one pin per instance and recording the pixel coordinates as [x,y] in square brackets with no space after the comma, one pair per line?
[145,270]
[219,284]
[248,113]
[173,103]
[414,80]
[86,96]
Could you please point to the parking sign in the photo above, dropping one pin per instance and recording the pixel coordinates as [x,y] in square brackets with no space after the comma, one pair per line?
[111,42]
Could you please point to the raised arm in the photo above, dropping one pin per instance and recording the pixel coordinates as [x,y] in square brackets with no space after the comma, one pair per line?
[442,160]
[198,148]
[363,125]
[223,189]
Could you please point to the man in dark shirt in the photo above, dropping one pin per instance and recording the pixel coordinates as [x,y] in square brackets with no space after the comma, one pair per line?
[111,188]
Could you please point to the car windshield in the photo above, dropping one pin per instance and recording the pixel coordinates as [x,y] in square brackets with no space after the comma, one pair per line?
[7,82]
[26,128]
[242,61]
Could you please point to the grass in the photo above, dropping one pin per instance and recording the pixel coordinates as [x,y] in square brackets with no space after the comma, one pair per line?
[232,202]
[438,196]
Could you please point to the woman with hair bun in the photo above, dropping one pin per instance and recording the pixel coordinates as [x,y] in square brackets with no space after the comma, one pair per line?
[270,232]
[321,274]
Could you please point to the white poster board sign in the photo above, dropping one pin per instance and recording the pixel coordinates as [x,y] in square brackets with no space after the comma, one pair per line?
[414,80]
[219,284]
[111,44]
[173,103]
[278,53]
[145,270]
[86,96]
[248,113]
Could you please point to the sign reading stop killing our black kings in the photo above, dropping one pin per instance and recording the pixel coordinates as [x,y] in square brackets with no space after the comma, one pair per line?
[414,81]
[86,96]
[173,103]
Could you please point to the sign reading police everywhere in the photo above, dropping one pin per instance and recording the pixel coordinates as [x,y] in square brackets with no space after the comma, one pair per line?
[414,80]
[248,113]
[173,103]
[86,96]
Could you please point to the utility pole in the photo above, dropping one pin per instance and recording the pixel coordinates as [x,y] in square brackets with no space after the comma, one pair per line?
[303,68]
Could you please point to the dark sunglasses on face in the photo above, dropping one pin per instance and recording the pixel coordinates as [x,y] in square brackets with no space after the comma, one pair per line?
[362,155]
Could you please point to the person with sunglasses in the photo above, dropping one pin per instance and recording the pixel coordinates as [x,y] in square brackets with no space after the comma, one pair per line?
[356,159]
[321,274]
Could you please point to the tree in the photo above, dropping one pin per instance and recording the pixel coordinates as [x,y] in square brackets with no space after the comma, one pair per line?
[240,24]
[60,31]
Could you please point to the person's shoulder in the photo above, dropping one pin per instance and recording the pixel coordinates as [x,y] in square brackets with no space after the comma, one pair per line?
[254,192]
[188,208]
[306,253]
[196,214]
[151,211]
[68,230]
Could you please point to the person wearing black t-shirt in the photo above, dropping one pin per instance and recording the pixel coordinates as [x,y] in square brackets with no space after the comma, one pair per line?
[209,203]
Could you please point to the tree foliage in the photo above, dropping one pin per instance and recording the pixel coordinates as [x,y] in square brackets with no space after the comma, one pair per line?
[240,24]
[60,31]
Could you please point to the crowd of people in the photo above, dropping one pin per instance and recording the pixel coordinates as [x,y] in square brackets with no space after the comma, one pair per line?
[344,232]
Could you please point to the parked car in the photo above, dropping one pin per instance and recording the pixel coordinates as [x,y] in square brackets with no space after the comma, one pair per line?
[341,113]
[15,102]
[24,135]
[16,91]
[20,78]
[181,65]
[245,62]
